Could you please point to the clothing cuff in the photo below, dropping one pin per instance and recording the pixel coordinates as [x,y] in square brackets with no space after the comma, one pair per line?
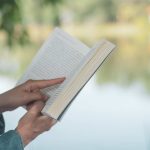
[11,140]
[2,124]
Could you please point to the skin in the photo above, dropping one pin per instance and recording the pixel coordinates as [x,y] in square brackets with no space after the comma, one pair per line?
[33,123]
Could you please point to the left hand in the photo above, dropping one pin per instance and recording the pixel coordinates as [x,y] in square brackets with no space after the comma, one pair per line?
[26,93]
[33,123]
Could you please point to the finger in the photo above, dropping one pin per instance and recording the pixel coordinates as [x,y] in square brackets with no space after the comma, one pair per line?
[36,107]
[45,83]
[46,122]
[49,120]
[36,96]
[29,106]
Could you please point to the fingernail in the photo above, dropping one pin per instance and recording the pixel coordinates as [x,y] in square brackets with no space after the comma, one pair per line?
[54,121]
[46,97]
[63,78]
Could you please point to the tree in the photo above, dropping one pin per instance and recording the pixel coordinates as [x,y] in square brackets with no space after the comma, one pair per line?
[11,19]
[56,15]
[109,9]
[10,15]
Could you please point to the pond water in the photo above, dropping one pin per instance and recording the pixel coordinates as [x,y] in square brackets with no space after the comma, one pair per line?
[102,117]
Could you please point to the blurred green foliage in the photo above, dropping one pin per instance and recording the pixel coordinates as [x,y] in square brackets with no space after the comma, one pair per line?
[24,25]
[10,16]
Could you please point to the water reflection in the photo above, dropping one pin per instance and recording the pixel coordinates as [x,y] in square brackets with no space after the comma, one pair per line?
[129,63]
[102,117]
[105,115]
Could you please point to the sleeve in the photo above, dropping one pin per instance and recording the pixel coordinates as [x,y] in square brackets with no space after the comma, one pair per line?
[2,124]
[11,140]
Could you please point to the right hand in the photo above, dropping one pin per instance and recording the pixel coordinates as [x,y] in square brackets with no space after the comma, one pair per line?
[26,93]
[34,123]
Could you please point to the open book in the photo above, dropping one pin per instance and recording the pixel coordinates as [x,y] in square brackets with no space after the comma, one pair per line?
[63,55]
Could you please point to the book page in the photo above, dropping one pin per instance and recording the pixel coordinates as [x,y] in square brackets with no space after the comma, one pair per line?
[58,57]
[84,71]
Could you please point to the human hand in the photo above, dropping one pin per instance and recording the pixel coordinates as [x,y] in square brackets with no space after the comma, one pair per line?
[26,93]
[34,123]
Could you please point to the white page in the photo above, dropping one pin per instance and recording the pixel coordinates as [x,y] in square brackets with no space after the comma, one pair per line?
[82,73]
[58,57]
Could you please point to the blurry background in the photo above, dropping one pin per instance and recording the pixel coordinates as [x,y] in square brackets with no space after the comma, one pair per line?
[113,110]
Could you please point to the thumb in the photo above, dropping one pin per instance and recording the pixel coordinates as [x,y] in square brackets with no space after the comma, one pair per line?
[36,107]
[36,96]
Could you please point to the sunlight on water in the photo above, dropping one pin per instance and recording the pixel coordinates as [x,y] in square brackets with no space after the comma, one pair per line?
[101,118]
